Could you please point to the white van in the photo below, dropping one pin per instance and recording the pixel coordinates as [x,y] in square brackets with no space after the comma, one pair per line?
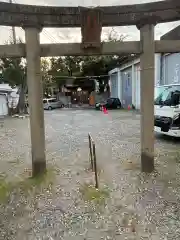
[167,110]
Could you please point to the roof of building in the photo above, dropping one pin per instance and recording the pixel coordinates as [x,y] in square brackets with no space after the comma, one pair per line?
[174,34]
[6,87]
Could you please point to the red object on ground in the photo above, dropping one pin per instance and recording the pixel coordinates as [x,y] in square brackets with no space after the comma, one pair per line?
[129,107]
[105,110]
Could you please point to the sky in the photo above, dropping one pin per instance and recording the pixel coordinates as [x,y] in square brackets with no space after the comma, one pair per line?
[57,35]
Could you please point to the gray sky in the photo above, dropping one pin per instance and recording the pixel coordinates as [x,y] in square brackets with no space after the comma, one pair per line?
[73,35]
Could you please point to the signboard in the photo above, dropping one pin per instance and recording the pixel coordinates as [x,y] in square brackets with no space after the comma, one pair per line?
[91,27]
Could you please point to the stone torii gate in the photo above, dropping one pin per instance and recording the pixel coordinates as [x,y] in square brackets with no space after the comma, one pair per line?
[91,20]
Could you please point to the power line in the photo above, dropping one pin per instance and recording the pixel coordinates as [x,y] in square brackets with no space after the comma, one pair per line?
[50,36]
[100,76]
[20,27]
[45,32]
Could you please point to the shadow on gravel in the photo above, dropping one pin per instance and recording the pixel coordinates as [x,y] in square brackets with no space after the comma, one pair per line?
[167,139]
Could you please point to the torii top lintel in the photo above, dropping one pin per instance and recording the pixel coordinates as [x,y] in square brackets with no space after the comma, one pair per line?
[47,16]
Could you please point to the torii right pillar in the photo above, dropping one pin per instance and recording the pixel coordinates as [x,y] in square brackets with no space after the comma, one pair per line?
[147,96]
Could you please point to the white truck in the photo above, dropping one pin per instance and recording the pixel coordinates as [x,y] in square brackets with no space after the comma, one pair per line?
[167,110]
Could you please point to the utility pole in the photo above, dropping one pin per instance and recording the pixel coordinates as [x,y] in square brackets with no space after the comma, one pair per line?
[13,30]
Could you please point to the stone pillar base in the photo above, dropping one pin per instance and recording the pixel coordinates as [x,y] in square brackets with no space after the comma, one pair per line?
[38,168]
[147,163]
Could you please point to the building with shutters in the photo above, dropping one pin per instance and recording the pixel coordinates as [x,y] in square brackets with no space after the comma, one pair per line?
[125,80]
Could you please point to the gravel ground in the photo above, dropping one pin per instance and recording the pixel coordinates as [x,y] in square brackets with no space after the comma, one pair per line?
[135,206]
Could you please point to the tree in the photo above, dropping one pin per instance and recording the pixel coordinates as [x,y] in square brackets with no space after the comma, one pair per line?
[73,65]
[14,73]
[64,67]
[85,66]
[46,79]
[101,65]
[56,70]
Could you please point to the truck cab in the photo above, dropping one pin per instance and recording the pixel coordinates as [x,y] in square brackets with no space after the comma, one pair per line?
[167,110]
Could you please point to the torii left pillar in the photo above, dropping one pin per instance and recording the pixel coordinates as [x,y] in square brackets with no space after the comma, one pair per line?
[35,98]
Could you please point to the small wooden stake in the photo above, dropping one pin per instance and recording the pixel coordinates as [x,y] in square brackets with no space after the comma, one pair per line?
[90,151]
[95,166]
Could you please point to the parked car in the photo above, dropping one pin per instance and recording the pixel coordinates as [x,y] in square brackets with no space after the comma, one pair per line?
[110,103]
[52,103]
